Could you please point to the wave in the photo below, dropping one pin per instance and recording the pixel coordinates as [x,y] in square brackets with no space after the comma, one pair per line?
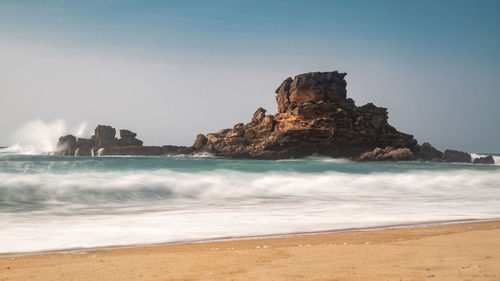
[40,137]
[496,158]
[80,209]
[227,185]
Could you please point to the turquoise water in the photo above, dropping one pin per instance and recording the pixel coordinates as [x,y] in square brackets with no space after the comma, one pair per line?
[56,203]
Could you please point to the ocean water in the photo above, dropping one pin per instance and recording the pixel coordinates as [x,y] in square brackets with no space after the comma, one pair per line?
[64,203]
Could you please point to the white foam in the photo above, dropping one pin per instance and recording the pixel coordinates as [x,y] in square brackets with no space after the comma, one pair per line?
[40,137]
[496,159]
[91,209]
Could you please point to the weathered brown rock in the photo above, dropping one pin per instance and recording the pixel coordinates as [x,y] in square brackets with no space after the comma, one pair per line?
[427,152]
[454,156]
[83,151]
[105,136]
[314,118]
[127,138]
[484,160]
[131,150]
[201,140]
[66,146]
[172,150]
[314,86]
[88,143]
[387,154]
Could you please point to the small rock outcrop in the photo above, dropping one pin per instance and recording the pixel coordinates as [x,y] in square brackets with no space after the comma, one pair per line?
[67,145]
[127,138]
[455,156]
[484,160]
[427,152]
[387,154]
[105,136]
[104,143]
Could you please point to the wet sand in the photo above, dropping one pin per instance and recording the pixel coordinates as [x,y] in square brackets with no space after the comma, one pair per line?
[452,252]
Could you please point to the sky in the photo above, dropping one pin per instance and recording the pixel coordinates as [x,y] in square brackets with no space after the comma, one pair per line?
[169,70]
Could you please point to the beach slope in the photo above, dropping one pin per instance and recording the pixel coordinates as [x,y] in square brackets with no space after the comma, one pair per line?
[451,252]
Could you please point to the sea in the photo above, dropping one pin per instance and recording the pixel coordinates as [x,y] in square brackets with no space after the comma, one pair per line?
[57,203]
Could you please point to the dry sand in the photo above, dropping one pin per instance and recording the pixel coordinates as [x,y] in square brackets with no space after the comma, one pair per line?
[453,252]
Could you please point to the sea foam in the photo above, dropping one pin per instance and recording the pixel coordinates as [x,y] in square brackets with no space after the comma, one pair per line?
[54,203]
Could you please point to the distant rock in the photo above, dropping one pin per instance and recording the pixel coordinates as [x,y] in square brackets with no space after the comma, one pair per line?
[131,150]
[172,150]
[314,117]
[105,136]
[427,152]
[127,138]
[66,146]
[83,151]
[311,87]
[104,142]
[484,160]
[387,154]
[201,140]
[454,156]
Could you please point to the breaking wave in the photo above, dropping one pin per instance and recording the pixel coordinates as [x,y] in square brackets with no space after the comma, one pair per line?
[40,137]
[54,203]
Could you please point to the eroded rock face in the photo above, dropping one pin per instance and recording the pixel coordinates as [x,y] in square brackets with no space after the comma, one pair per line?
[104,142]
[455,156]
[131,150]
[313,86]
[484,160]
[127,138]
[66,145]
[105,136]
[427,152]
[387,154]
[314,117]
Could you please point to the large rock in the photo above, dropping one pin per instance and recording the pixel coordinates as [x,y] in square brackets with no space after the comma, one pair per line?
[127,138]
[88,143]
[201,140]
[455,156]
[66,145]
[314,86]
[173,150]
[484,160]
[314,117]
[105,136]
[427,152]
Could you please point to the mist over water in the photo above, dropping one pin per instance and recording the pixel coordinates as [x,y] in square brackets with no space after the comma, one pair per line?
[38,136]
[54,202]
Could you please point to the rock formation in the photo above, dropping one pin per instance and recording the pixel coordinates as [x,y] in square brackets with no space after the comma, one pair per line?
[427,152]
[484,160]
[455,156]
[67,145]
[314,117]
[127,138]
[104,142]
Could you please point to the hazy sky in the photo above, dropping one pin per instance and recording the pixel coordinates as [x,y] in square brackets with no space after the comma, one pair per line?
[171,69]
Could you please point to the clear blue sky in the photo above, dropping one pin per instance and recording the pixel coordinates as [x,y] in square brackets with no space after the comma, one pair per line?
[171,69]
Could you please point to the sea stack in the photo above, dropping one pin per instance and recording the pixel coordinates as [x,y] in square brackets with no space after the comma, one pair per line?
[314,117]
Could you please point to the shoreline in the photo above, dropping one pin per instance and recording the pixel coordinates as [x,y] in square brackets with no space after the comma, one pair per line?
[253,237]
[457,251]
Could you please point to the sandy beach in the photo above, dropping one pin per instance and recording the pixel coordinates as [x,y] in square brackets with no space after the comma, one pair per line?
[451,252]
